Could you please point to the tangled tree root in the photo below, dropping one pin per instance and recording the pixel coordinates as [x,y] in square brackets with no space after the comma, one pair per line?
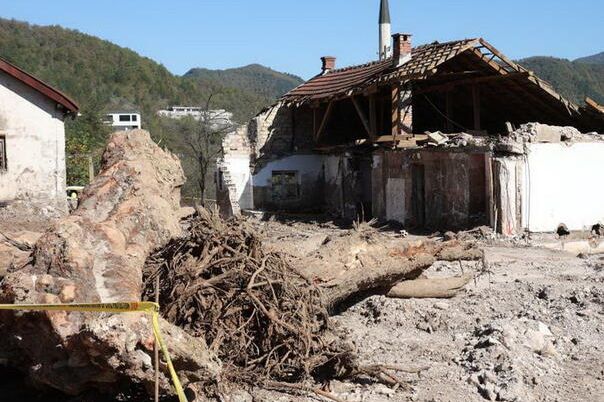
[265,321]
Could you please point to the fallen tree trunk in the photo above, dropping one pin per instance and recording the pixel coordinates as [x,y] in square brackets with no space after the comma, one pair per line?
[97,255]
[429,287]
[267,320]
[379,273]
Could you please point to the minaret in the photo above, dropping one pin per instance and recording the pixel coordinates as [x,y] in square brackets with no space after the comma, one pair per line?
[385,50]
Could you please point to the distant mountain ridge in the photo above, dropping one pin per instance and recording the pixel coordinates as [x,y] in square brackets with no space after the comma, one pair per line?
[100,74]
[595,59]
[254,77]
[575,80]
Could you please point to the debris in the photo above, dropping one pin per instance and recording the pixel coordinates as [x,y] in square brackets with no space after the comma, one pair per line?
[262,318]
[436,138]
[597,229]
[430,288]
[97,255]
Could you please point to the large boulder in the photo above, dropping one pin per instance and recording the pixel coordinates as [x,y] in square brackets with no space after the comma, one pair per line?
[97,255]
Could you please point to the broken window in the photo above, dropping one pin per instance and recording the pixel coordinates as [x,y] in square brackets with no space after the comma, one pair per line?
[2,153]
[285,185]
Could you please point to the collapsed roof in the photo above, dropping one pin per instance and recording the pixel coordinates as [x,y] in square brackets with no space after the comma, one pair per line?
[445,66]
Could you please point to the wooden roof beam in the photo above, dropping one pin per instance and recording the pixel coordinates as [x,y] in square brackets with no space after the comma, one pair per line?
[469,81]
[364,120]
[324,121]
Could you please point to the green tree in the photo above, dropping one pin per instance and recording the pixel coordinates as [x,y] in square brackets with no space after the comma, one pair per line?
[204,143]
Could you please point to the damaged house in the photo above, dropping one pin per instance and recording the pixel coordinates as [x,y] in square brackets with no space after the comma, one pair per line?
[32,139]
[433,136]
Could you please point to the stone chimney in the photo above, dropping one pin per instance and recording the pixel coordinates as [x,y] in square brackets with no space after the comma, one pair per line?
[329,63]
[401,49]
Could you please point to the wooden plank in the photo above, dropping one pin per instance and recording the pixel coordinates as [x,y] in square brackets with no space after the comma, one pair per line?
[372,117]
[314,122]
[396,112]
[449,110]
[501,56]
[406,108]
[476,106]
[324,121]
[490,206]
[361,115]
[493,64]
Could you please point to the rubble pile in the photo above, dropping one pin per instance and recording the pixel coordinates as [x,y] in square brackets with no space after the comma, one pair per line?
[497,352]
[538,132]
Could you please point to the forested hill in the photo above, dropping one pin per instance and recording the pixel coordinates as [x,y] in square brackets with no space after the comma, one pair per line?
[99,74]
[573,79]
[254,78]
[595,59]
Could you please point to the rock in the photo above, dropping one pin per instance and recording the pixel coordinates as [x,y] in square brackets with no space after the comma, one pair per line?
[442,305]
[383,390]
[474,379]
[96,255]
[539,339]
[68,294]
[487,392]
[449,236]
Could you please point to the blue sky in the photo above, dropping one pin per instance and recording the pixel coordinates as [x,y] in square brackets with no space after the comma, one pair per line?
[291,35]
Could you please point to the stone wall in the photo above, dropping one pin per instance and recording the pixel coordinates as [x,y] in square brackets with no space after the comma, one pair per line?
[35,146]
[279,131]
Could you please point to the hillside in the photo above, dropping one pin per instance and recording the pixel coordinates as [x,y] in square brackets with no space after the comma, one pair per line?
[100,74]
[575,80]
[253,78]
[595,59]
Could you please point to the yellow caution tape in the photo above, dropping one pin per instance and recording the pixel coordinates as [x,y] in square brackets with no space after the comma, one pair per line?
[145,307]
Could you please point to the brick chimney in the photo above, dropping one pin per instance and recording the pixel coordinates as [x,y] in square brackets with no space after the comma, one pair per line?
[329,63]
[401,49]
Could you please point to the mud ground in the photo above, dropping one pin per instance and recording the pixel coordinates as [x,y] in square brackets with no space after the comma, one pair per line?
[529,328]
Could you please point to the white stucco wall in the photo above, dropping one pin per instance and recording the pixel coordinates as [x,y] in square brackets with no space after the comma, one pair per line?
[35,145]
[306,165]
[239,168]
[564,185]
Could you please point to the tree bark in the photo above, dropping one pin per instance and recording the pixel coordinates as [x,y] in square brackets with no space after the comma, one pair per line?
[380,274]
[430,288]
[96,255]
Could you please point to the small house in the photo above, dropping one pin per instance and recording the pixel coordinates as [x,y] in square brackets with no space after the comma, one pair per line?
[434,137]
[32,138]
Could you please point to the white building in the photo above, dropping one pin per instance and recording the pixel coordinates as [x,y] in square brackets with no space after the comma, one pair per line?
[32,138]
[178,112]
[123,120]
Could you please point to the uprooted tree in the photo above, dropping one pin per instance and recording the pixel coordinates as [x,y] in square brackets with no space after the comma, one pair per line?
[235,312]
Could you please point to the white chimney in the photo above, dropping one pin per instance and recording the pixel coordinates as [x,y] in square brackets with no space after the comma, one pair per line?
[385,49]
